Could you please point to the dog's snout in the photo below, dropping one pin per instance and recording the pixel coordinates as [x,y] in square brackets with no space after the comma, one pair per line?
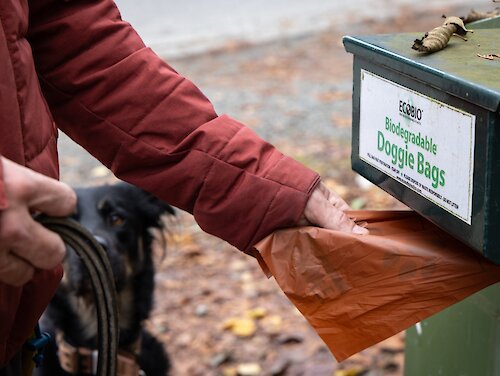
[102,242]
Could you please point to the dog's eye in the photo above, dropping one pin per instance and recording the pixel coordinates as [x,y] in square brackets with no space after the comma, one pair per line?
[116,220]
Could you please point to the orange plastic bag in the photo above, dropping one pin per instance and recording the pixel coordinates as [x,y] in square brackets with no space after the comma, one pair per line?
[357,290]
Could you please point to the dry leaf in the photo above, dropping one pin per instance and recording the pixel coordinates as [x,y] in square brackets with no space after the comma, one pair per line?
[229,371]
[438,38]
[241,327]
[272,324]
[257,313]
[348,372]
[249,369]
[99,172]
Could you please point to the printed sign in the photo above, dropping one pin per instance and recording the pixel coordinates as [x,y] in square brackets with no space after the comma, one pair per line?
[425,144]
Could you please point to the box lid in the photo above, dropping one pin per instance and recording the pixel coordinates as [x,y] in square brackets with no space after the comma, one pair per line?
[457,69]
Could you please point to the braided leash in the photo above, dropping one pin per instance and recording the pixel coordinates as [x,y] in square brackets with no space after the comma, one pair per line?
[96,261]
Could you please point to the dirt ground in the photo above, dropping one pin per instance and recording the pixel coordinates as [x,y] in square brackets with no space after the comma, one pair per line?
[215,310]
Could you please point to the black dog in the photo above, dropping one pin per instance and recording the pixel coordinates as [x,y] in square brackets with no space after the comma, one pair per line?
[120,217]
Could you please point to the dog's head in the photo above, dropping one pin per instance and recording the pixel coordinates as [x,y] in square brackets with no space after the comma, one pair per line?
[127,222]
[121,218]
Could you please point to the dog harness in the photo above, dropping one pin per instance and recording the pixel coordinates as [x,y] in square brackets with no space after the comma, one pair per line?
[82,360]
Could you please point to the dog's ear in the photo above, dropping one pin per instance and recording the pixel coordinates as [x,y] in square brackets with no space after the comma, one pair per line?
[154,209]
[151,208]
[154,214]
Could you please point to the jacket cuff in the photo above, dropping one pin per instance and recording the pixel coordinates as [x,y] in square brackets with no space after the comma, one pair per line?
[288,204]
[4,203]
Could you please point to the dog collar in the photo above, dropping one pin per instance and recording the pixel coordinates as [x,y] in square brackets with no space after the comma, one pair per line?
[82,360]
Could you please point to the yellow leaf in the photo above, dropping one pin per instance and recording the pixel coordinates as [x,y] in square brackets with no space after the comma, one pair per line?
[347,372]
[242,327]
[99,172]
[249,369]
[230,371]
[228,324]
[257,313]
[272,324]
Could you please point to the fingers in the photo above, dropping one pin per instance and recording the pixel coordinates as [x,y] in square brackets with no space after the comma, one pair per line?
[30,241]
[338,220]
[55,198]
[326,209]
[36,191]
[333,198]
[25,244]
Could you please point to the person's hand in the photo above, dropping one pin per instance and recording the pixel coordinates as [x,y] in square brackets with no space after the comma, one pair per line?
[326,209]
[24,243]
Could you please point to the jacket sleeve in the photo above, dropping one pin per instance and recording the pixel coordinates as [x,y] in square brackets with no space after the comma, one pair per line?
[4,203]
[155,129]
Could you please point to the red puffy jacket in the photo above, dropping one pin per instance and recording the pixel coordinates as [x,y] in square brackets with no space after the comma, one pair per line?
[78,65]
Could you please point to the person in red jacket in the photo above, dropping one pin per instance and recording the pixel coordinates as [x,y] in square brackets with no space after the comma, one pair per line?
[78,65]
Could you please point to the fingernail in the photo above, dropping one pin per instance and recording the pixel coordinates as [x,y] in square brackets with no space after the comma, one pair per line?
[360,230]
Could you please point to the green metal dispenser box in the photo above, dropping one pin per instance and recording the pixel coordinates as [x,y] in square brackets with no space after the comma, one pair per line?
[426,129]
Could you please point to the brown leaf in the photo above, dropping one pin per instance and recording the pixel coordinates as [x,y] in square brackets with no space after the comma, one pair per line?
[438,38]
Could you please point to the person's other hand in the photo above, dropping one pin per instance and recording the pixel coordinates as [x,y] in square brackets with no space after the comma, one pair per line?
[24,243]
[326,209]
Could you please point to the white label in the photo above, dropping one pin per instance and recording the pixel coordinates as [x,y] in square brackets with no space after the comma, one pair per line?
[425,144]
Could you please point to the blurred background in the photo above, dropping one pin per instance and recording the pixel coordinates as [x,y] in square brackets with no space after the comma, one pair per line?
[279,67]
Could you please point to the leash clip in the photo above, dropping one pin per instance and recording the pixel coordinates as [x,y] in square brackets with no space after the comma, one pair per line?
[37,344]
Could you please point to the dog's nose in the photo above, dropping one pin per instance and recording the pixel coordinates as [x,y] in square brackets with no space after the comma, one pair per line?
[103,242]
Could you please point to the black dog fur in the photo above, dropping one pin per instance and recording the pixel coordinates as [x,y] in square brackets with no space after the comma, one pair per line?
[120,217]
